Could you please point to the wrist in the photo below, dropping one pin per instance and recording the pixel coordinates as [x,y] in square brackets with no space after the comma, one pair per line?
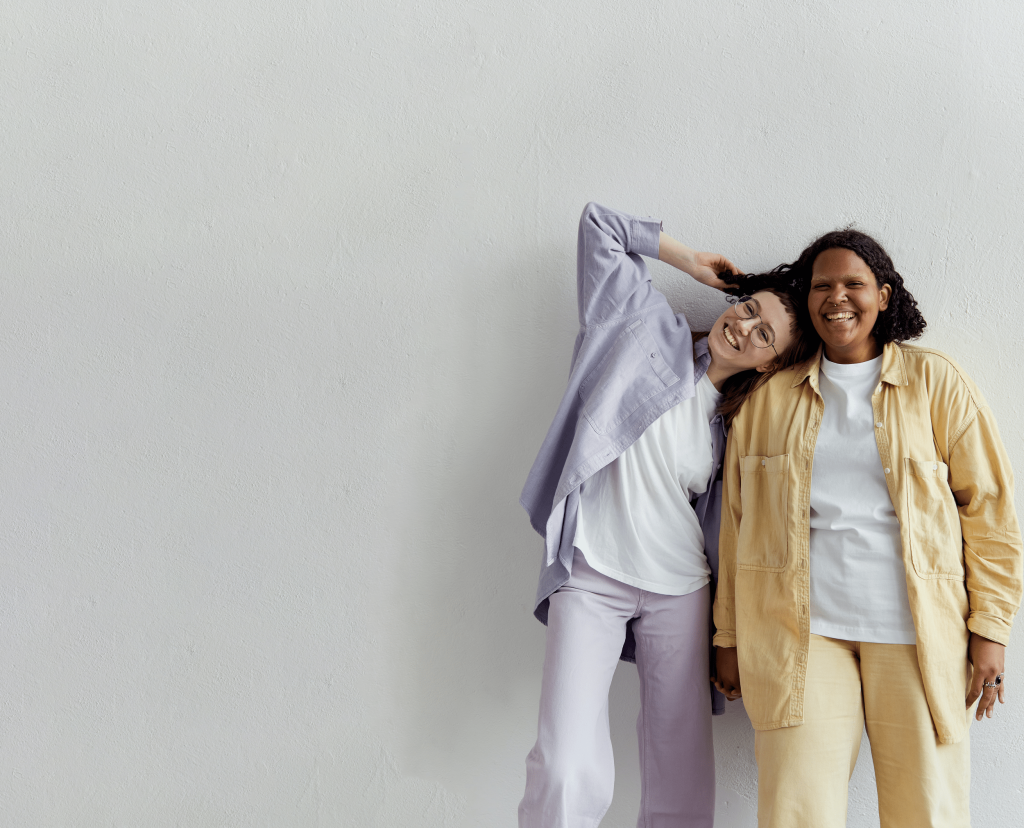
[677,254]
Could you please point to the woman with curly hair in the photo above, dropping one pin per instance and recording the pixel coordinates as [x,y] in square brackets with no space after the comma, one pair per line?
[870,557]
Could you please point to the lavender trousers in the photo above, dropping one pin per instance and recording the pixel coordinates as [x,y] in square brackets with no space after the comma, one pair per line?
[570,772]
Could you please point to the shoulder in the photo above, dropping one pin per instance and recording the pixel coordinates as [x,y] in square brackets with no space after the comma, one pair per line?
[782,384]
[918,355]
[939,372]
[771,402]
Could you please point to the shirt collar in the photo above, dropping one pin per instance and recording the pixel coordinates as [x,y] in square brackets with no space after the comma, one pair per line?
[894,367]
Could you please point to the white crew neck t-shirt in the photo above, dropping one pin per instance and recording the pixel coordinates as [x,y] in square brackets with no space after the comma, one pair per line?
[635,522]
[858,581]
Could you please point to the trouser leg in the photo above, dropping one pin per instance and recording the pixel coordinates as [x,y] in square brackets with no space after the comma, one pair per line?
[677,761]
[921,783]
[570,772]
[803,772]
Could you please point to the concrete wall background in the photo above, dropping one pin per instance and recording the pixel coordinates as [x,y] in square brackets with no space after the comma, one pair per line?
[289,303]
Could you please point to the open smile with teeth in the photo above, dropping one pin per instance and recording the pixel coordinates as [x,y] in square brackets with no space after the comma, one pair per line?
[729,337]
[839,316]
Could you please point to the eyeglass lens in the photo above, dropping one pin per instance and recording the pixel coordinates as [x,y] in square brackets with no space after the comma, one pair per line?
[747,308]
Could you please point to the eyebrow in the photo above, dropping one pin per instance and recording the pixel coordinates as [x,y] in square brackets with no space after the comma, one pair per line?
[760,316]
[820,279]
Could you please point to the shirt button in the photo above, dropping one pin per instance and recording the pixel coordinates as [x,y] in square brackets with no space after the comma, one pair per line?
[764,462]
[653,356]
[878,425]
[888,470]
[935,466]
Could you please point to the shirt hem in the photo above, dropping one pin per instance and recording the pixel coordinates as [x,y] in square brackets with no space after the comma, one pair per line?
[646,586]
[865,636]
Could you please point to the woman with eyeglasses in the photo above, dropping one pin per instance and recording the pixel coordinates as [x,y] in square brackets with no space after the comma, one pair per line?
[870,557]
[623,493]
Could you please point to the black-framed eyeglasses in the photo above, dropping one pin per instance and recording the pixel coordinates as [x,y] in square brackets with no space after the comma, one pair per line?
[762,335]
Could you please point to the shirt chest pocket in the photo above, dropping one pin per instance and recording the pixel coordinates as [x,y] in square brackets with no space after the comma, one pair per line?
[763,542]
[936,544]
[630,374]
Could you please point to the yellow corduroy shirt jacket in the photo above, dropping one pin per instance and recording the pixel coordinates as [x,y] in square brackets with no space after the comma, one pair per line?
[952,489]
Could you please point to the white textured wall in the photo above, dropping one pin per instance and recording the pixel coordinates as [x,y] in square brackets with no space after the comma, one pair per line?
[288,304]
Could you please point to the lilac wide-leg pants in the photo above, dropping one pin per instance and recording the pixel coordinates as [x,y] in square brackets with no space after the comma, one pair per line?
[570,772]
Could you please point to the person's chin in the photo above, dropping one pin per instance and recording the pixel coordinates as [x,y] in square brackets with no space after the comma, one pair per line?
[840,342]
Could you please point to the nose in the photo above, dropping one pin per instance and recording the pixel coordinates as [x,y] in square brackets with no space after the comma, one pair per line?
[746,325]
[837,295]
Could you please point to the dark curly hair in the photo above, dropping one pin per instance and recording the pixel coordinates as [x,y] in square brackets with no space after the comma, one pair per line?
[901,321]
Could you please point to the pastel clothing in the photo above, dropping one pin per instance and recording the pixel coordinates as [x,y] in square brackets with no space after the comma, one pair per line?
[804,772]
[633,441]
[570,773]
[634,522]
[858,583]
[633,360]
[950,483]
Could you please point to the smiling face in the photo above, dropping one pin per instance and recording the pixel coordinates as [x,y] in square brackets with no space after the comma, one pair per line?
[733,340]
[844,303]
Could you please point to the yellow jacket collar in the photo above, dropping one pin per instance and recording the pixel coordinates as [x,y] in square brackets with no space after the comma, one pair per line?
[894,367]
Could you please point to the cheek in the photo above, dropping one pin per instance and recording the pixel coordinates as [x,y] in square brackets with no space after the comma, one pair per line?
[759,357]
[716,345]
[782,346]
[815,303]
[716,334]
[870,312]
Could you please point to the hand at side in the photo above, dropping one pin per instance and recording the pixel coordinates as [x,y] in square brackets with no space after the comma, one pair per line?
[988,658]
[728,669]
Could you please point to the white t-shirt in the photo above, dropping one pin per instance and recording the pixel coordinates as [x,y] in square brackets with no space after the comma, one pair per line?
[858,582]
[635,522]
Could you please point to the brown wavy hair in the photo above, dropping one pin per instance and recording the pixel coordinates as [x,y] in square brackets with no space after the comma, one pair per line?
[738,387]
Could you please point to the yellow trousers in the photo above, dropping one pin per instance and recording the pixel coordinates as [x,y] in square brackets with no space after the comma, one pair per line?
[803,772]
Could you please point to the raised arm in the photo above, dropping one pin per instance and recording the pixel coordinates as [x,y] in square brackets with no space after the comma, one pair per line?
[612,278]
[706,268]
